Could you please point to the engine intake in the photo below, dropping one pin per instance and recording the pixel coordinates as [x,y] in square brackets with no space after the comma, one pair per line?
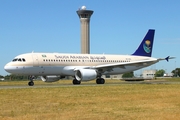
[85,74]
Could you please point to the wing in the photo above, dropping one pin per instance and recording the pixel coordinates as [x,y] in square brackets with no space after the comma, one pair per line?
[109,67]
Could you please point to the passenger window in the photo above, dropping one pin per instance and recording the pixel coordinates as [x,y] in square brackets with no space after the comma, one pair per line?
[19,59]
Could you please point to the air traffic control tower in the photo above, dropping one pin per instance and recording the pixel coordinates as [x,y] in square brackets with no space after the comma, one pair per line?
[84,16]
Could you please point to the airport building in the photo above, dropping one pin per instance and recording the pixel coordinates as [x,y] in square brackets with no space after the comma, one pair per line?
[149,73]
[84,16]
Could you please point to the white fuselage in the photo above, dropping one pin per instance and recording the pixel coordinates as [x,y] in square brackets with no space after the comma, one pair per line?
[65,64]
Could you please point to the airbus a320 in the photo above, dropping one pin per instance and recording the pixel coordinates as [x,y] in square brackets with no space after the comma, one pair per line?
[52,67]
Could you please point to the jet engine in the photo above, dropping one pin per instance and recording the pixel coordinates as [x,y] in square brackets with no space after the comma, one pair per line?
[85,74]
[53,78]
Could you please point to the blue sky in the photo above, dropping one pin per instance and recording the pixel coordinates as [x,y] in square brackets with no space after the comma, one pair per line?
[116,27]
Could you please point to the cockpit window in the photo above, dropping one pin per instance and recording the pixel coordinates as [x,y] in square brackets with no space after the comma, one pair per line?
[23,60]
[19,60]
[15,59]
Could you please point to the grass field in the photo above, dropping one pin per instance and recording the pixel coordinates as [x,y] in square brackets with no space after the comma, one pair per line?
[103,102]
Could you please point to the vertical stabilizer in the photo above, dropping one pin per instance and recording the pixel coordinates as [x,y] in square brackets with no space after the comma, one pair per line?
[146,46]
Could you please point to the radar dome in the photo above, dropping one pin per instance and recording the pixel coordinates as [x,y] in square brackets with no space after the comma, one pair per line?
[83,7]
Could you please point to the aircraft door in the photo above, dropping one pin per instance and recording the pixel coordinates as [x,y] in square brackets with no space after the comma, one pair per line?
[35,60]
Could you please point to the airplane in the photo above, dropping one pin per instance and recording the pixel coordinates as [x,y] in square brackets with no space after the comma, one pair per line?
[52,67]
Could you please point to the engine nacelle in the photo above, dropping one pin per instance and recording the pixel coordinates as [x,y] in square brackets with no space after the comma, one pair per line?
[85,74]
[53,78]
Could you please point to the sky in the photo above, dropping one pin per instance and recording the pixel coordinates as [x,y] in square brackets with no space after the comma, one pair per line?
[116,27]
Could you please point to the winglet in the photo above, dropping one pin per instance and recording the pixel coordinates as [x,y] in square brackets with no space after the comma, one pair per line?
[145,48]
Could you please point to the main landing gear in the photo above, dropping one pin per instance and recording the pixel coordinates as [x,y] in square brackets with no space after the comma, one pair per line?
[31,78]
[100,81]
[76,82]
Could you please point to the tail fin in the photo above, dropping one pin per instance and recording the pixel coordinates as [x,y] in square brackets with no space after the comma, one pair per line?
[146,46]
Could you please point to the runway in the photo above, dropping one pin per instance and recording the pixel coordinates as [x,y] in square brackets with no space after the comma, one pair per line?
[49,85]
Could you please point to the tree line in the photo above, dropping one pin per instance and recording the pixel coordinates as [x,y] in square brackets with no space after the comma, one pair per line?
[14,77]
[159,73]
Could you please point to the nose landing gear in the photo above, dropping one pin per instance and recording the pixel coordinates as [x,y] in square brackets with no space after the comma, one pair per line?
[31,78]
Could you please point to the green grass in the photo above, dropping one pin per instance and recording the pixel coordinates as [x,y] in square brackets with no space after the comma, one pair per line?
[104,102]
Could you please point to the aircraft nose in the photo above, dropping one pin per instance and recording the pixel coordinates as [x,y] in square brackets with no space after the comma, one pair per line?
[7,68]
[10,68]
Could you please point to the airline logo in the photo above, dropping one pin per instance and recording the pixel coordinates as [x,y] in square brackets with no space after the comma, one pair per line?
[147,46]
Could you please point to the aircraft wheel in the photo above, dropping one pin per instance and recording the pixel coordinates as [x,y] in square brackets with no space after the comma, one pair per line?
[31,83]
[102,81]
[97,81]
[31,78]
[76,82]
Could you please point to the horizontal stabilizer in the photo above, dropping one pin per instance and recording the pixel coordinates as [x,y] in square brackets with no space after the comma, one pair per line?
[167,58]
